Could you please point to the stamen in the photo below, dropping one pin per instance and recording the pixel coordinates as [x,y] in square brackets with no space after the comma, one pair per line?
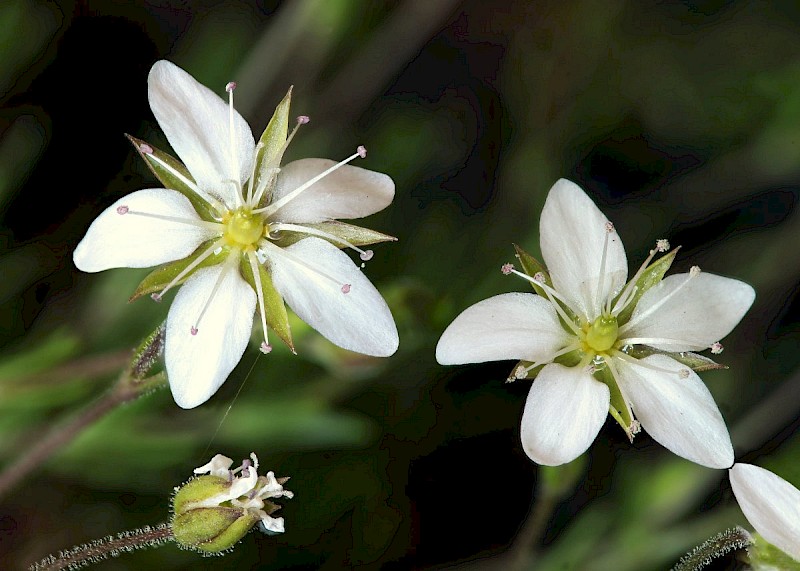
[553,297]
[232,134]
[529,368]
[188,221]
[662,245]
[362,151]
[226,268]
[365,255]
[598,306]
[506,269]
[683,373]
[193,330]
[155,297]
[344,287]
[651,341]
[264,180]
[251,257]
[199,260]
[216,204]
[716,348]
[146,149]
[694,272]
[275,206]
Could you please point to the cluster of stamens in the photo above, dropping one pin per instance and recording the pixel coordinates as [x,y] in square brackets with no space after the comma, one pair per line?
[247,229]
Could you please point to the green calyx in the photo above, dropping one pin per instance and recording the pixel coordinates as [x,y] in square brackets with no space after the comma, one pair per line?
[200,524]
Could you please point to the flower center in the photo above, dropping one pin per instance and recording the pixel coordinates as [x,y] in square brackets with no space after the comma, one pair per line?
[243,228]
[602,334]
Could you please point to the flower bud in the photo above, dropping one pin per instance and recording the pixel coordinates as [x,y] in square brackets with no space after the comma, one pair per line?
[212,512]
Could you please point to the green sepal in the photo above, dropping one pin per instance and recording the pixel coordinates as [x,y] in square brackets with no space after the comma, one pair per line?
[270,145]
[276,316]
[212,530]
[698,363]
[198,489]
[356,235]
[159,278]
[617,408]
[168,177]
[532,266]
[651,276]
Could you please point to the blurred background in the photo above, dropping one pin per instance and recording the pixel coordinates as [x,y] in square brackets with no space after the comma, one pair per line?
[680,119]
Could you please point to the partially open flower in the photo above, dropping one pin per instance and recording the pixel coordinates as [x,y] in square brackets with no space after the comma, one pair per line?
[212,512]
[246,232]
[600,344]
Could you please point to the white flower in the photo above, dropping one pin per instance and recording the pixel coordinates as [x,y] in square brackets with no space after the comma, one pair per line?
[246,233]
[247,490]
[602,346]
[770,504]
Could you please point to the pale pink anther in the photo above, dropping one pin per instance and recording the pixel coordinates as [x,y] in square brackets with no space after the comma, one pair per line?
[146,149]
[230,86]
[122,209]
[346,288]
[303,119]
[538,277]
[155,297]
[265,348]
[609,227]
[362,151]
[506,269]
[684,373]
[193,330]
[694,271]
[366,255]
[717,348]
[662,245]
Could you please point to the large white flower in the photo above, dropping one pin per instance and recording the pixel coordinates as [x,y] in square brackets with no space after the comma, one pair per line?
[770,504]
[598,345]
[242,232]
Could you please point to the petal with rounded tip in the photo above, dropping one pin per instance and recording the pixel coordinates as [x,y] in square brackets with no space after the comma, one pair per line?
[359,321]
[197,365]
[770,504]
[507,326]
[678,412]
[573,233]
[348,192]
[117,240]
[565,410]
[197,125]
[693,312]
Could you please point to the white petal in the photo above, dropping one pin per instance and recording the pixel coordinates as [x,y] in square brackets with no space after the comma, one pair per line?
[197,365]
[573,236]
[197,125]
[117,240]
[347,192]
[565,410]
[359,321]
[272,524]
[679,413]
[693,312]
[507,326]
[217,466]
[770,504]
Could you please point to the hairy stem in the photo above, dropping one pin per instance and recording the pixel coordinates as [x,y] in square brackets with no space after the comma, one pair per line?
[100,549]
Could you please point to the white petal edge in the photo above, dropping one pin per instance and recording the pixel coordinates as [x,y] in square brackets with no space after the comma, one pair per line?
[572,234]
[348,192]
[693,311]
[197,365]
[117,240]
[196,122]
[565,409]
[358,321]
[678,412]
[506,326]
[770,504]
